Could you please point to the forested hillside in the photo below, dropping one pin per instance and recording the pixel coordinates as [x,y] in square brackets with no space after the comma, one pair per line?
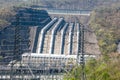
[6,15]
[6,12]
[106,24]
[74,4]
[6,5]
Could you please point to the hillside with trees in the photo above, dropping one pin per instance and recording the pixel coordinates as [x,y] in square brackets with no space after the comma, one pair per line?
[6,6]
[6,15]
[6,12]
[73,4]
[97,69]
[105,22]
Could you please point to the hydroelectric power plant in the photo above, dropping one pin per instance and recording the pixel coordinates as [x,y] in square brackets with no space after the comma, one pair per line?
[46,46]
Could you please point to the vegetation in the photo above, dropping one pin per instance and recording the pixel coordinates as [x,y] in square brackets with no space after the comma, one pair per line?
[6,12]
[105,23]
[61,4]
[75,4]
[1,57]
[6,15]
[98,69]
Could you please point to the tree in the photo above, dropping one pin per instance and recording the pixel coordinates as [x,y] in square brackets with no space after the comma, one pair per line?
[97,70]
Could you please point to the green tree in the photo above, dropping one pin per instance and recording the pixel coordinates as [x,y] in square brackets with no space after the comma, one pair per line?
[97,70]
[105,23]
